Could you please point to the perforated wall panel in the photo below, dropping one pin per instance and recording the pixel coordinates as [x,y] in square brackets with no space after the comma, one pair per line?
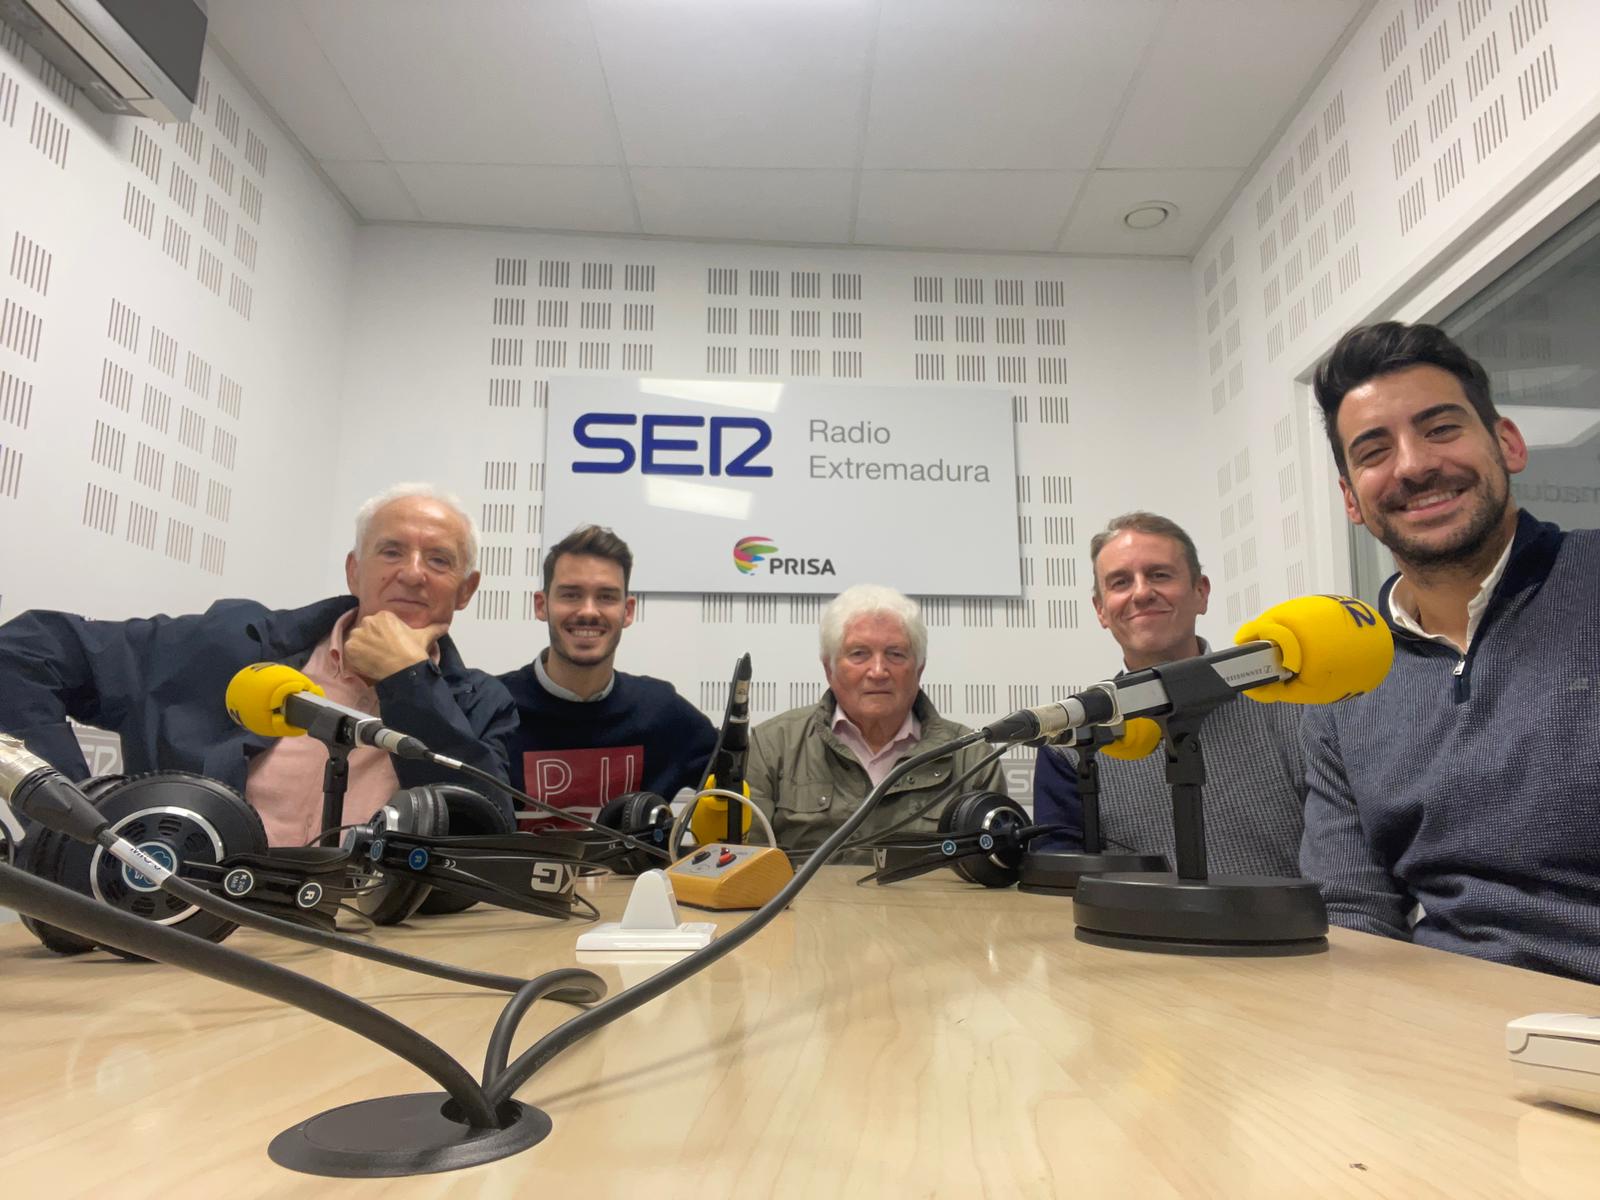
[1436,112]
[457,336]
[170,324]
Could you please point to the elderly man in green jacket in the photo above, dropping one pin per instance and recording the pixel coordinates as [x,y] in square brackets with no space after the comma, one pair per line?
[810,768]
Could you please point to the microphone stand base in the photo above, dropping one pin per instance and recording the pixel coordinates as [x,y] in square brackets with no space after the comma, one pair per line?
[402,1135]
[1226,915]
[1058,872]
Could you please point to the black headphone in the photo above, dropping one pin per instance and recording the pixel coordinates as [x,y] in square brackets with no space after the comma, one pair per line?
[206,831]
[981,836]
[201,828]
[642,815]
[465,812]
[413,842]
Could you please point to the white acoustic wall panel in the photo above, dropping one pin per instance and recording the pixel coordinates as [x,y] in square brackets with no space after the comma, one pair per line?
[1392,186]
[171,320]
[455,336]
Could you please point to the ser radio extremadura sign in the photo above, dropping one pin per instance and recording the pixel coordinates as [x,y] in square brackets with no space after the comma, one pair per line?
[754,488]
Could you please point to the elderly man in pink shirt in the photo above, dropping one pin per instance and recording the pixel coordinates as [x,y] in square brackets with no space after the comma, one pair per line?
[385,649]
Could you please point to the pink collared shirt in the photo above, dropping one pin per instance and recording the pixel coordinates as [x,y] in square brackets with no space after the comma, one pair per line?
[877,764]
[284,783]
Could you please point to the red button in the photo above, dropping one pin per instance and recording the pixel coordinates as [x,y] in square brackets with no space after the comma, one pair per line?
[724,858]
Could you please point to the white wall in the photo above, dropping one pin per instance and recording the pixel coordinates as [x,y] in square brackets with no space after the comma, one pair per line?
[1449,138]
[171,334]
[170,352]
[1102,364]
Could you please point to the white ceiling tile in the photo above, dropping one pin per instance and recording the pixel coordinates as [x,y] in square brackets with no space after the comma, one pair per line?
[277,53]
[1194,106]
[967,210]
[728,83]
[778,206]
[373,189]
[747,119]
[1022,84]
[1097,226]
[585,199]
[491,81]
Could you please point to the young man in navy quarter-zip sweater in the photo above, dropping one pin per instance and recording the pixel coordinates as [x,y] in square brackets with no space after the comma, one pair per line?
[1456,804]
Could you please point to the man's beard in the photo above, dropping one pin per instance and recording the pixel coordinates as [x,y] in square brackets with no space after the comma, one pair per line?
[595,652]
[1469,544]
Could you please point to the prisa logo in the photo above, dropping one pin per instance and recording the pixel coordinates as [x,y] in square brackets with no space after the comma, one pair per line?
[749,553]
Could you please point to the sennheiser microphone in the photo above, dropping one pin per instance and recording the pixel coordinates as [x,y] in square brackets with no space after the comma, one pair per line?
[275,700]
[1133,739]
[1311,650]
[1138,694]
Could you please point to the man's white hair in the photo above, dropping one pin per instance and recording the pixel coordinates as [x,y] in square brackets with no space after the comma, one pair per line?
[426,491]
[871,599]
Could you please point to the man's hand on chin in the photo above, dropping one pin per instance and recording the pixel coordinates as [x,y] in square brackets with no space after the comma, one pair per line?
[382,644]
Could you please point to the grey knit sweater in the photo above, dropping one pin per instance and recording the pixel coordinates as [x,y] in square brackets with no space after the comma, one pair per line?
[1471,784]
[1254,793]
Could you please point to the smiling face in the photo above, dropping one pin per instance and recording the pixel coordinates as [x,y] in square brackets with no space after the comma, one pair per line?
[412,563]
[876,676]
[1424,473]
[1146,597]
[587,608]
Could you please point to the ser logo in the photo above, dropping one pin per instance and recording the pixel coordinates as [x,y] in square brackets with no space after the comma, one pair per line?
[759,555]
[672,444]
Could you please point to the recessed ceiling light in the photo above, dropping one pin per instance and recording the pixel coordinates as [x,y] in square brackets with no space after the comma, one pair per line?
[1149,214]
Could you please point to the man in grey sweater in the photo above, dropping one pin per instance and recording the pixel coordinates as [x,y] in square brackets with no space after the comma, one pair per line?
[1455,805]
[1148,593]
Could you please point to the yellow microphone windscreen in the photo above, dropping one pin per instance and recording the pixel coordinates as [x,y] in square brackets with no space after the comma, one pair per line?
[1337,646]
[709,822]
[256,696]
[1140,735]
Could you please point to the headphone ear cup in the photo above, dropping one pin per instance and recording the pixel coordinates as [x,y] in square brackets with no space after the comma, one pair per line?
[630,813]
[419,812]
[197,819]
[40,855]
[176,815]
[466,813]
[637,809]
[470,813]
[958,817]
[610,814]
[99,785]
[980,812]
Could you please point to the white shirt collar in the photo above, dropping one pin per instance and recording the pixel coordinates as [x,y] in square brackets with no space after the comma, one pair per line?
[561,693]
[1475,607]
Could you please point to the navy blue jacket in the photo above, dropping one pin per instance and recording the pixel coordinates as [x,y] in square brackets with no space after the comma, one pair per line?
[159,683]
[1056,800]
[1455,805]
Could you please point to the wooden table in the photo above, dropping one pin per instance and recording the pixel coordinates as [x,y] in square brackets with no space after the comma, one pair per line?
[925,1039]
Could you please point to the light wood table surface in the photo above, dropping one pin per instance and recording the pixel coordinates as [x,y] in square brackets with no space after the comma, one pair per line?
[924,1039]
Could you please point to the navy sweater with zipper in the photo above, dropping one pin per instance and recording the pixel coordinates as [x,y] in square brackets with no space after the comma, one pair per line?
[1469,785]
